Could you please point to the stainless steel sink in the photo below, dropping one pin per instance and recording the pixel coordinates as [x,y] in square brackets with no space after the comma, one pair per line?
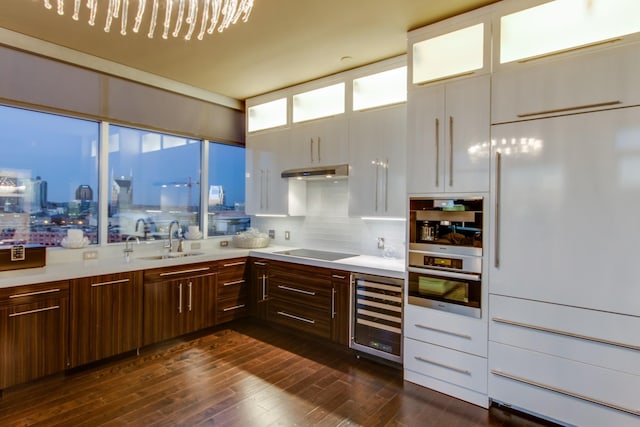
[171,255]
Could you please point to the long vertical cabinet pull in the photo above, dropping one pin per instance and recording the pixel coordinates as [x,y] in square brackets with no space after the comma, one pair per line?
[375,188]
[180,298]
[264,287]
[333,303]
[319,159]
[386,185]
[437,143]
[450,151]
[261,189]
[190,295]
[496,246]
[311,149]
[266,189]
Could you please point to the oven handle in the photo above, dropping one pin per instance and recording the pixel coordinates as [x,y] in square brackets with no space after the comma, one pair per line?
[449,274]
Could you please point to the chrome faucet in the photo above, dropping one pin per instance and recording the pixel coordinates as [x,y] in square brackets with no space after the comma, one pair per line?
[145,227]
[127,249]
[170,245]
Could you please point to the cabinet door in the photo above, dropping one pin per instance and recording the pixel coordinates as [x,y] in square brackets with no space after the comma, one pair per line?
[340,307]
[106,316]
[377,147]
[33,340]
[425,140]
[566,195]
[449,137]
[197,307]
[319,142]
[163,306]
[266,191]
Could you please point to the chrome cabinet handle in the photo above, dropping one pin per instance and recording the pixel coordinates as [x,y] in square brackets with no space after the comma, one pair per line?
[233,264]
[261,188]
[333,303]
[496,244]
[28,294]
[291,316]
[319,159]
[190,295]
[455,334]
[565,392]
[437,143]
[311,149]
[264,287]
[113,282]
[300,291]
[375,188]
[450,151]
[386,186]
[259,263]
[236,282]
[180,298]
[442,365]
[235,307]
[565,333]
[266,189]
[38,310]
[337,276]
[191,270]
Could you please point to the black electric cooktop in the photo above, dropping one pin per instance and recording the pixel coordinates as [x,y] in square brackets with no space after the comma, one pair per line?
[314,254]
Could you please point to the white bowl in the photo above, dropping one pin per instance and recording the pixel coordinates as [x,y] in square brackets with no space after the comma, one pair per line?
[74,244]
[193,236]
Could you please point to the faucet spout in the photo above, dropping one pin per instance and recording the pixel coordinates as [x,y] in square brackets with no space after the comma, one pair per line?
[177,224]
[128,250]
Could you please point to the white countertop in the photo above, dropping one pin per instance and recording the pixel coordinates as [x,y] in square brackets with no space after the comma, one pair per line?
[68,264]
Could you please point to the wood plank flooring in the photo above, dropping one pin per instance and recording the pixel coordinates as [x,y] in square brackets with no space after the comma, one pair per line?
[244,374]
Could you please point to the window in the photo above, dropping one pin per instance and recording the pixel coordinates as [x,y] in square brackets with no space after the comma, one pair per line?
[48,177]
[154,179]
[226,190]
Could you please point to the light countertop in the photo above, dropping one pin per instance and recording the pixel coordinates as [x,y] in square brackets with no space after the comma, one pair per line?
[69,264]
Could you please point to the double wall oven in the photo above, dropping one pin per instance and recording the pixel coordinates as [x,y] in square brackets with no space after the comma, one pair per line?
[445,253]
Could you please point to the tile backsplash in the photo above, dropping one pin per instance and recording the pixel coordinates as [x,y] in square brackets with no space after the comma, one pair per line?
[328,226]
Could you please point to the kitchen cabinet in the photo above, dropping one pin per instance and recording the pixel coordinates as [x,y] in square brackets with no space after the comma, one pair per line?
[178,300]
[259,288]
[574,365]
[266,191]
[377,153]
[232,290]
[320,142]
[564,84]
[106,316]
[340,307]
[34,322]
[448,136]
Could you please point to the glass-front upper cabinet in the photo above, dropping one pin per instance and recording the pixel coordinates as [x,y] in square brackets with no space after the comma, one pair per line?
[383,88]
[563,25]
[456,47]
[267,115]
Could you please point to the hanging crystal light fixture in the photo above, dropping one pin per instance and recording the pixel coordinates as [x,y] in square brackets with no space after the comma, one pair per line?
[208,15]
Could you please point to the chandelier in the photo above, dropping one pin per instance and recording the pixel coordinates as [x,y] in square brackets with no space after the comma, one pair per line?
[205,15]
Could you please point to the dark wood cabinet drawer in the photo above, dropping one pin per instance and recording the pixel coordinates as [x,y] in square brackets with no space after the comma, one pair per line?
[300,317]
[307,294]
[178,271]
[228,310]
[32,293]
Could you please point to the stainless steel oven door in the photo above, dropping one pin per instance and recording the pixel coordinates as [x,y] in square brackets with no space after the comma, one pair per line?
[444,290]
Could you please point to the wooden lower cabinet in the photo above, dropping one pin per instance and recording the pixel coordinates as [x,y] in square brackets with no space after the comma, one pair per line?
[34,323]
[309,299]
[106,316]
[259,296]
[232,290]
[178,300]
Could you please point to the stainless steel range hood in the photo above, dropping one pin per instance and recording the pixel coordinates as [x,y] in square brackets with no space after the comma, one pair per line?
[320,172]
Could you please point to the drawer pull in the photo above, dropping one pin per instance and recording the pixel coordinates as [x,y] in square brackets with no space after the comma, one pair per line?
[300,291]
[193,270]
[22,313]
[112,282]
[337,276]
[291,316]
[455,334]
[442,365]
[29,294]
[237,282]
[566,334]
[233,264]
[565,392]
[567,109]
[259,263]
[235,307]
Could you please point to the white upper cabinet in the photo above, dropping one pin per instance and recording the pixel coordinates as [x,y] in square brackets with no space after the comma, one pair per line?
[266,191]
[448,137]
[267,115]
[562,25]
[377,159]
[453,48]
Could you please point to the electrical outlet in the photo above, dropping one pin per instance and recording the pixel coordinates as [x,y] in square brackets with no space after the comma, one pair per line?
[272,234]
[287,235]
[380,242]
[224,243]
[87,255]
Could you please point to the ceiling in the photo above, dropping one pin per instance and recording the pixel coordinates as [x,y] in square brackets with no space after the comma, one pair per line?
[285,42]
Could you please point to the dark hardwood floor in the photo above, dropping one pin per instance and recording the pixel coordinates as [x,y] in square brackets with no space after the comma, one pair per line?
[244,374]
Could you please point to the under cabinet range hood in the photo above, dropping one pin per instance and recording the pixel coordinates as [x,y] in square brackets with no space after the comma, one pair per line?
[320,172]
